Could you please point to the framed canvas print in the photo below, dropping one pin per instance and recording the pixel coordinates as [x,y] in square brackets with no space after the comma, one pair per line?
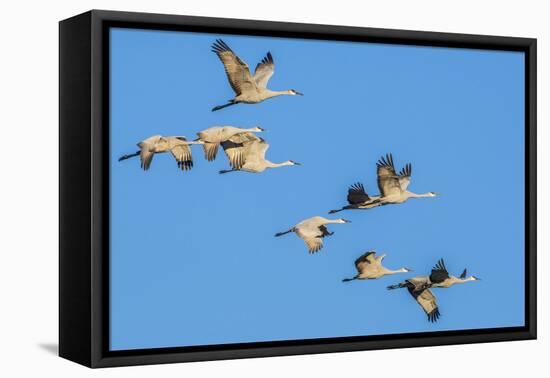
[234,188]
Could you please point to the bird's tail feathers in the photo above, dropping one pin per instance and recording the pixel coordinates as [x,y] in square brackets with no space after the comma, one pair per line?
[349,279]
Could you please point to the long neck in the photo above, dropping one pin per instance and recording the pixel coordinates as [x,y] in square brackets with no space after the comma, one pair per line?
[270,93]
[270,164]
[416,195]
[193,142]
[389,271]
[458,280]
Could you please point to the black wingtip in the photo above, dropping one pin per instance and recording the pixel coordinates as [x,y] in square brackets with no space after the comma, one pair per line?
[220,46]
[185,165]
[434,316]
[315,249]
[357,186]
[440,265]
[385,161]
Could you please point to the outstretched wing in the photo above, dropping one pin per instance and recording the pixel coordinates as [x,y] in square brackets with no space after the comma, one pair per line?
[312,234]
[464,273]
[388,180]
[146,151]
[239,147]
[210,150]
[439,272]
[357,194]
[257,150]
[264,70]
[182,154]
[366,258]
[405,176]
[426,300]
[417,284]
[314,244]
[237,70]
[324,231]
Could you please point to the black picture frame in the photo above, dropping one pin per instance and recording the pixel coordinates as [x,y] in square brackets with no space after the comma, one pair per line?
[84,188]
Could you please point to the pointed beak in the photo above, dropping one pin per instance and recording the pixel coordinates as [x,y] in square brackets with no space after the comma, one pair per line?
[298,93]
[296,163]
[346,221]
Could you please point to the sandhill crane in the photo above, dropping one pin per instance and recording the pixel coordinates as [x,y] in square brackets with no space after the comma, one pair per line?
[392,186]
[246,152]
[419,287]
[313,230]
[177,145]
[213,136]
[248,89]
[426,300]
[369,267]
[438,278]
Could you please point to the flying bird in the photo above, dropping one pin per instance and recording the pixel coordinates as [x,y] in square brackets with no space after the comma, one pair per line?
[392,186]
[369,267]
[313,230]
[246,152]
[213,136]
[177,145]
[248,88]
[439,278]
[419,287]
[426,300]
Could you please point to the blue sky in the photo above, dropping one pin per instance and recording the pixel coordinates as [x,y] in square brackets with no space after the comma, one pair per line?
[193,256]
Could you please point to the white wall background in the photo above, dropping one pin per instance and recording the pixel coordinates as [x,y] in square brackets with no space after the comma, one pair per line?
[29,185]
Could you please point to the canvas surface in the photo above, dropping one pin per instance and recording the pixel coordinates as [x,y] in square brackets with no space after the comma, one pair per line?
[194,260]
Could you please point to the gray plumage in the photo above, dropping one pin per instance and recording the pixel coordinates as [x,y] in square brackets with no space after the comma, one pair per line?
[214,136]
[392,187]
[313,230]
[419,287]
[177,145]
[246,152]
[248,88]
[369,267]
[440,277]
